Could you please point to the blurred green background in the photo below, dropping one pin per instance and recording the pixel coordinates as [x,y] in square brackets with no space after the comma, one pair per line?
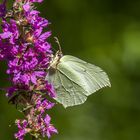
[105,33]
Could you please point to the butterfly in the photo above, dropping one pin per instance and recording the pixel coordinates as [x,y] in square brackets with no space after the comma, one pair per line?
[74,79]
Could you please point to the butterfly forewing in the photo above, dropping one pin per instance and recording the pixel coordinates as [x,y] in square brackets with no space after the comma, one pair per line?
[86,75]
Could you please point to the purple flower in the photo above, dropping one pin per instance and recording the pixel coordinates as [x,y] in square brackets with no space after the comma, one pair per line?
[36,122]
[35,20]
[22,129]
[24,46]
[39,40]
[49,130]
[5,50]
[26,7]
[10,31]
[44,105]
[3,9]
[10,91]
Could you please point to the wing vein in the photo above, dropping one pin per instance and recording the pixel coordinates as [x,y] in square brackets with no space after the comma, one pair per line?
[71,80]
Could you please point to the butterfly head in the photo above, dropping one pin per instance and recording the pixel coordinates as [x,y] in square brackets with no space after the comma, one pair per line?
[55,60]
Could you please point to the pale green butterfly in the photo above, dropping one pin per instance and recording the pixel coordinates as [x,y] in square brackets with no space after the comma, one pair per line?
[74,79]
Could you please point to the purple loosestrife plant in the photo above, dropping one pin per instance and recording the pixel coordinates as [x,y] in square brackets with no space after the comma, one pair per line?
[24,46]
[35,73]
[3,9]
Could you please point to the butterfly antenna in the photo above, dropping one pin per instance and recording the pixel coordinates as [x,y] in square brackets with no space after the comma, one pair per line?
[57,41]
[54,49]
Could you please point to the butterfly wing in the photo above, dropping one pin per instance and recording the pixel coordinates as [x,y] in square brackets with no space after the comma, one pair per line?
[76,79]
[68,92]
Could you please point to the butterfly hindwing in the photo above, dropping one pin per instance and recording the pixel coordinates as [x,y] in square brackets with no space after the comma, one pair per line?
[68,92]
